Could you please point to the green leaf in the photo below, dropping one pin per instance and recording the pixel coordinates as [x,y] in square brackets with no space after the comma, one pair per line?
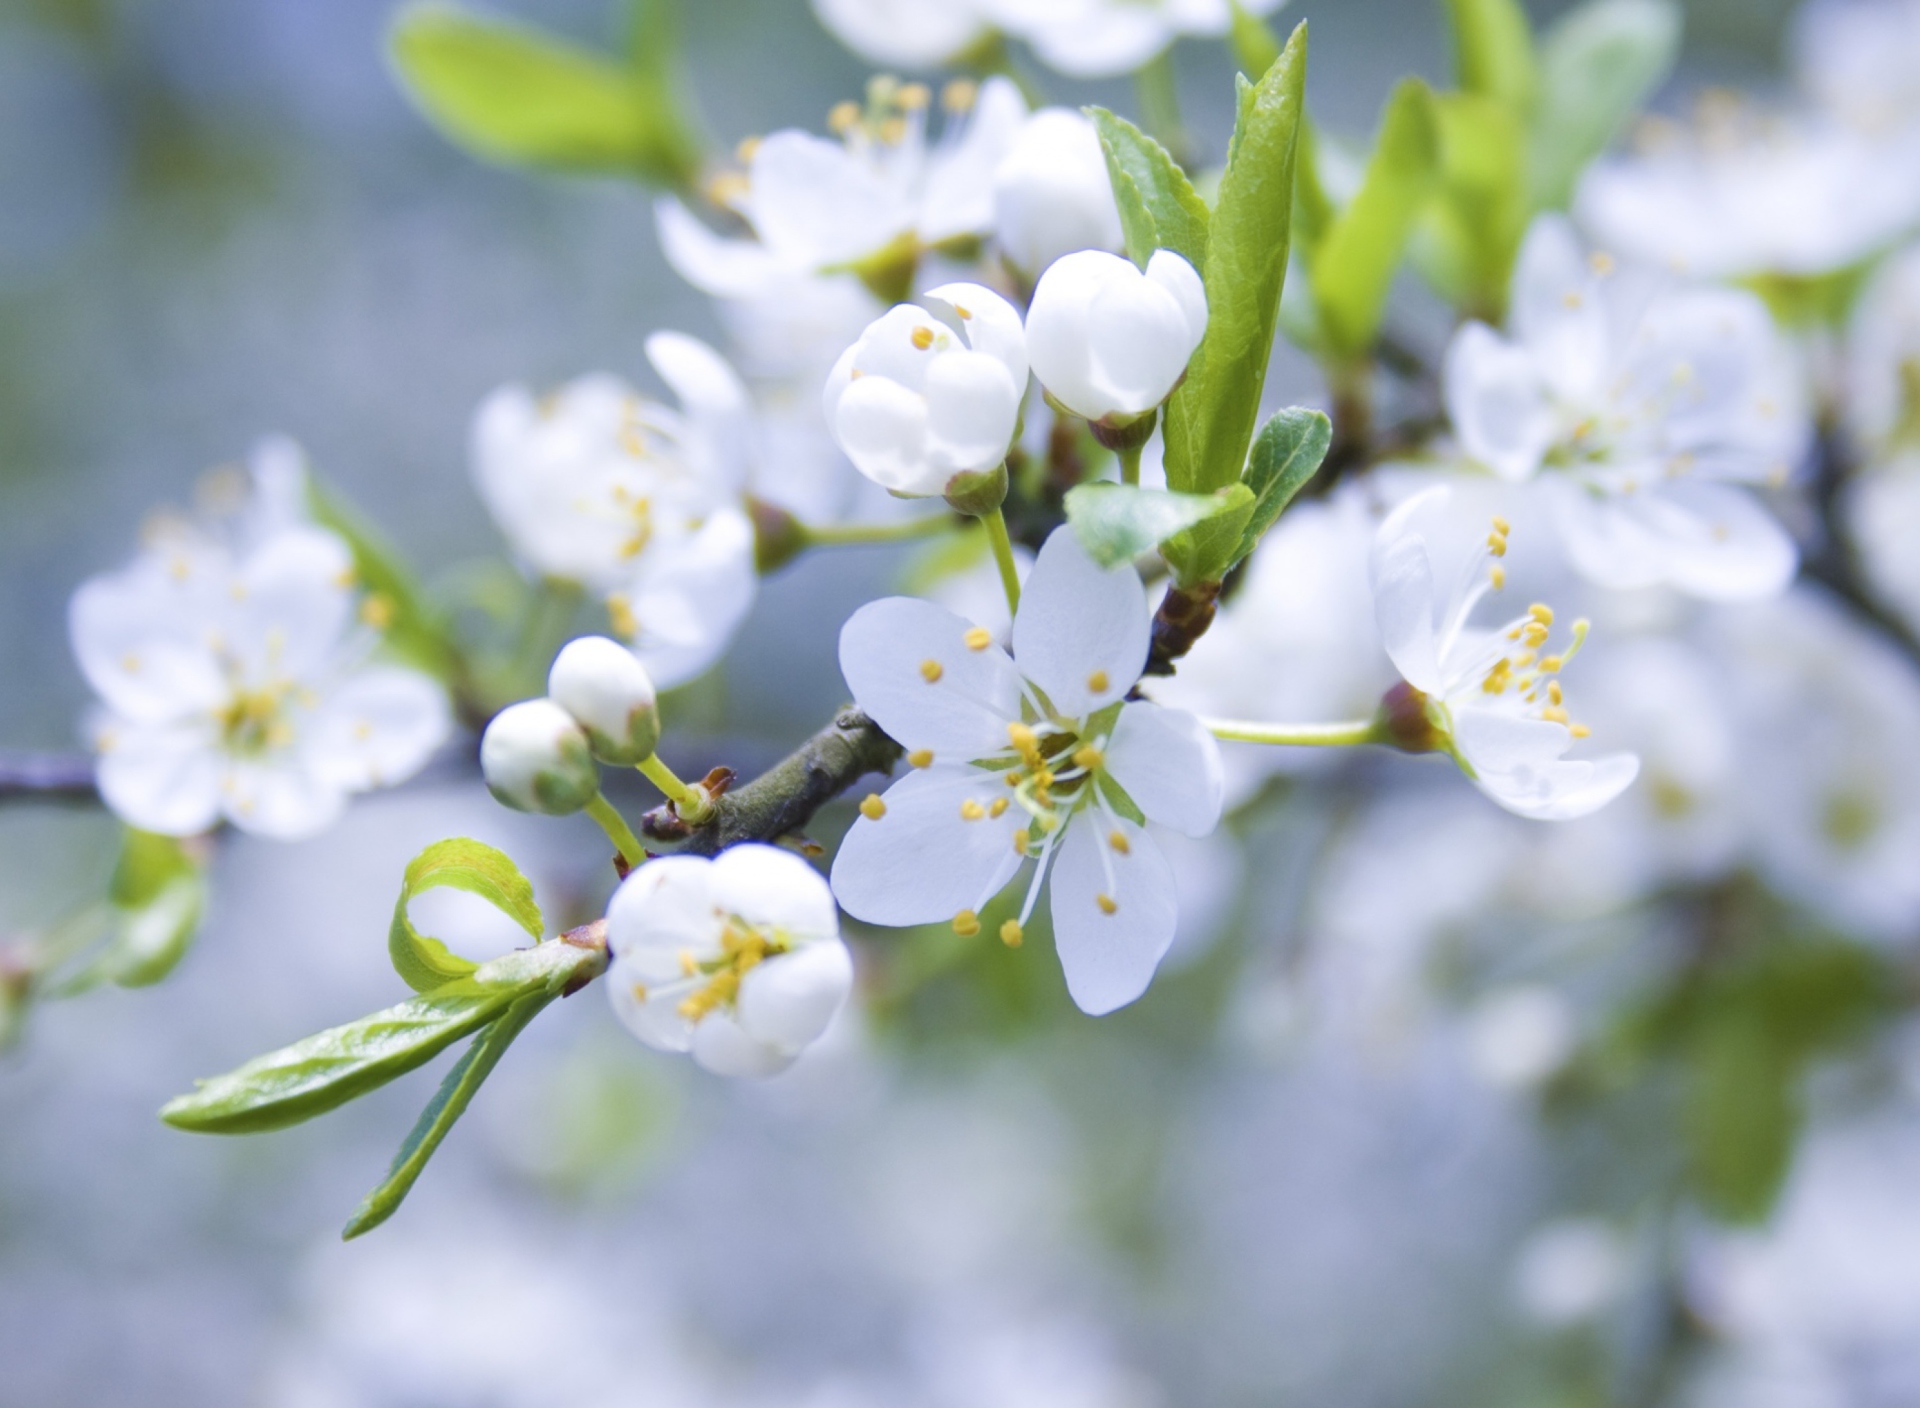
[1159,209]
[1493,52]
[327,1070]
[511,94]
[1255,46]
[459,863]
[1204,552]
[1743,1114]
[1470,237]
[1354,264]
[1115,523]
[1210,418]
[414,630]
[158,892]
[1313,209]
[1286,454]
[1598,62]
[443,1111]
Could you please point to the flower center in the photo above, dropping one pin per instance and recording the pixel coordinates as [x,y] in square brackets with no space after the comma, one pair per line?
[715,983]
[254,720]
[1051,771]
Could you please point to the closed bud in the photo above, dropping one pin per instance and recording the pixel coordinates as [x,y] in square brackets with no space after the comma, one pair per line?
[1109,342]
[536,759]
[1051,193]
[606,690]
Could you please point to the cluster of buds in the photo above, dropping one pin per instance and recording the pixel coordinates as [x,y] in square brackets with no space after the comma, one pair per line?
[539,755]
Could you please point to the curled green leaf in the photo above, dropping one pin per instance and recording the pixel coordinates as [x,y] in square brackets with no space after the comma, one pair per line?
[458,863]
[1117,522]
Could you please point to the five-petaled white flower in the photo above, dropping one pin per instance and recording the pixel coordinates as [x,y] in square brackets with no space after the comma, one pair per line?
[1491,699]
[931,390]
[1051,193]
[237,684]
[1039,756]
[1110,342]
[1099,38]
[1644,402]
[632,500]
[738,959]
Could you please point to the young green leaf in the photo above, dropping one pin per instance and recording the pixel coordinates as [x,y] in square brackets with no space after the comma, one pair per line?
[1117,522]
[327,1070]
[1286,454]
[1743,1114]
[1204,552]
[1493,52]
[511,94]
[1353,266]
[448,1104]
[1159,209]
[1598,63]
[458,863]
[1470,237]
[1210,418]
[157,893]
[413,628]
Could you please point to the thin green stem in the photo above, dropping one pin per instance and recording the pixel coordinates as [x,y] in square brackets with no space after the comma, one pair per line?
[1345,735]
[1159,102]
[835,535]
[694,807]
[1130,464]
[618,832]
[1003,556]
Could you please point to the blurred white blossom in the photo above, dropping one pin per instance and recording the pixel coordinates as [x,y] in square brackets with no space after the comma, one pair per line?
[1051,193]
[1096,38]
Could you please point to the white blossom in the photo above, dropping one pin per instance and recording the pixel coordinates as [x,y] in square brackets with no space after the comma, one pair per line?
[1490,698]
[237,682]
[1881,392]
[931,390]
[1644,405]
[1857,59]
[634,501]
[1035,756]
[536,758]
[917,34]
[737,959]
[1051,193]
[606,689]
[1098,38]
[1110,342]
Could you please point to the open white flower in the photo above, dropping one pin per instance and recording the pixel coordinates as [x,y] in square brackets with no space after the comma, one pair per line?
[931,390]
[817,205]
[1110,342]
[237,685]
[1039,756]
[1857,59]
[1051,193]
[919,34]
[1099,38]
[1645,404]
[738,959]
[1490,698]
[634,501]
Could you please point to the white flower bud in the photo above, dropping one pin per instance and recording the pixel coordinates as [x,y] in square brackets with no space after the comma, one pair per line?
[931,390]
[536,759]
[606,689]
[1109,342]
[1051,193]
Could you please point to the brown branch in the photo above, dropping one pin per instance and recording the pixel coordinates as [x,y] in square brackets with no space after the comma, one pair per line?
[60,777]
[1834,564]
[783,799]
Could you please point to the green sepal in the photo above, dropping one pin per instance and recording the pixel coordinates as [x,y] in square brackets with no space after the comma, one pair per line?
[1493,52]
[1598,63]
[1210,417]
[1116,797]
[328,1069]
[443,1111]
[1115,523]
[1354,262]
[1287,452]
[459,863]
[1204,552]
[414,629]
[512,94]
[1159,208]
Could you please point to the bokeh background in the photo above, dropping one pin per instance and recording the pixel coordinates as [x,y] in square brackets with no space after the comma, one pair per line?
[219,219]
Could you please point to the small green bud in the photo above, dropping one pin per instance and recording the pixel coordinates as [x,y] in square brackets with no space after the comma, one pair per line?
[1122,432]
[537,759]
[978,493]
[606,689]
[778,537]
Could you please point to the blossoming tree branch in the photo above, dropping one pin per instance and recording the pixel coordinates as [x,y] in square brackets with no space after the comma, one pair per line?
[1031,344]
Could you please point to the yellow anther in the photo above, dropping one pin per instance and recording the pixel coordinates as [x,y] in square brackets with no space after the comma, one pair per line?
[998,809]
[728,188]
[921,757]
[979,638]
[1498,576]
[843,118]
[1535,634]
[1014,777]
[1087,756]
[1496,545]
[1043,779]
[966,313]
[1554,715]
[930,671]
[1024,739]
[748,149]
[971,810]
[1118,840]
[377,611]
[1107,903]
[1022,840]
[893,131]
[1551,664]
[639,991]
[1010,934]
[1541,613]
[923,337]
[1554,693]
[130,663]
[1601,263]
[343,579]
[688,965]
[1499,677]
[1572,299]
[873,808]
[914,96]
[966,923]
[959,95]
[1097,682]
[1501,526]
[620,616]
[1579,730]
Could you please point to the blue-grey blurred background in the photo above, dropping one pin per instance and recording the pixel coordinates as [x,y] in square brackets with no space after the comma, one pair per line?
[218,219]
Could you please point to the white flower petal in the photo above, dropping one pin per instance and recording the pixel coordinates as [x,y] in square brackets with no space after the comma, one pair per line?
[651,1016]
[1497,402]
[972,407]
[923,861]
[1170,765]
[882,425]
[292,601]
[1171,271]
[279,796]
[721,1046]
[814,204]
[962,712]
[771,888]
[714,264]
[689,598]
[789,1000]
[141,638]
[1518,764]
[377,728]
[665,906]
[1080,625]
[1403,589]
[1711,541]
[162,777]
[1109,958]
[957,198]
[918,34]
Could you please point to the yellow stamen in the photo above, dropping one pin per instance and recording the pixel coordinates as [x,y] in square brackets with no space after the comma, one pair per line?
[971,810]
[1087,756]
[914,96]
[1108,905]
[998,809]
[1118,840]
[1022,840]
[966,923]
[1010,934]
[1541,613]
[377,611]
[1579,730]
[921,757]
[1097,682]
[843,117]
[688,966]
[620,616]
[930,671]
[1498,576]
[873,808]
[959,95]
[979,638]
[923,337]
[749,148]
